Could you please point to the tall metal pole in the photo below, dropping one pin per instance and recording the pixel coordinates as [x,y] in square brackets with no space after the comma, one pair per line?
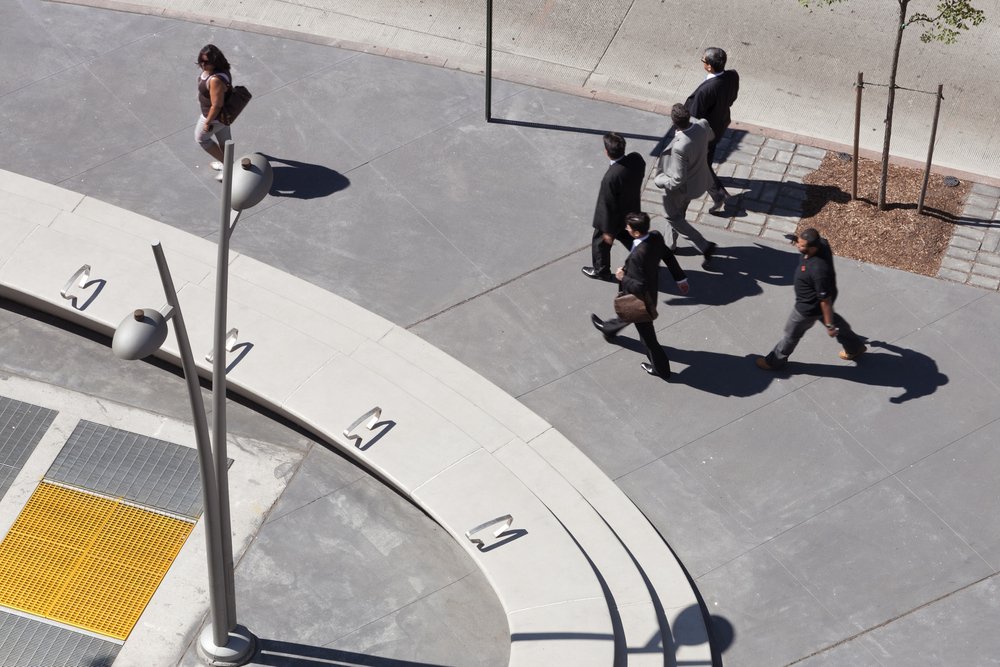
[930,149]
[219,384]
[489,60]
[209,490]
[860,86]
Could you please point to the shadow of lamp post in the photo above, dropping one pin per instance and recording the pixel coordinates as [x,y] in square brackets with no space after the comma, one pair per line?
[141,334]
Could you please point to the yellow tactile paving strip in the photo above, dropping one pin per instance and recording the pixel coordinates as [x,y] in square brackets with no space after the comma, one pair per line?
[85,560]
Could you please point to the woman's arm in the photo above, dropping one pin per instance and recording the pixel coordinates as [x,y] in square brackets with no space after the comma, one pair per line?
[217,93]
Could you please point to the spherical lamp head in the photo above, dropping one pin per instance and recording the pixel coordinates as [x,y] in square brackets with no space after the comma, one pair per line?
[140,334]
[252,179]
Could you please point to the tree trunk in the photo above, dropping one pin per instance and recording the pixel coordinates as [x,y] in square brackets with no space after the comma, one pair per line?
[888,107]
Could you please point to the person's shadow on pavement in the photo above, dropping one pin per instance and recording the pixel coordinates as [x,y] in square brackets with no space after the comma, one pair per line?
[915,373]
[731,375]
[712,372]
[734,273]
[734,375]
[794,200]
[303,180]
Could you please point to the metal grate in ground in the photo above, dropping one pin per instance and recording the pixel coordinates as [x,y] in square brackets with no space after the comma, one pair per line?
[27,642]
[22,426]
[149,472]
[87,561]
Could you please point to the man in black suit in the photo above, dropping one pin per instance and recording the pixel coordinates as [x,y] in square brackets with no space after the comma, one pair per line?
[621,189]
[711,100]
[641,276]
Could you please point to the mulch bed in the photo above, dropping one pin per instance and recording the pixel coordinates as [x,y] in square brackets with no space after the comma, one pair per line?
[896,237]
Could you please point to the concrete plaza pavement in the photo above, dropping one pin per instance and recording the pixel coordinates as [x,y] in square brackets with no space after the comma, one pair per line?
[798,66]
[327,575]
[839,514]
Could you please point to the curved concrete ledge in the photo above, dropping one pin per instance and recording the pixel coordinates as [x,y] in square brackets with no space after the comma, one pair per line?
[583,577]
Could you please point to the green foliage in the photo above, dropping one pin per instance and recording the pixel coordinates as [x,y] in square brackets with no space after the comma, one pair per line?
[953,16]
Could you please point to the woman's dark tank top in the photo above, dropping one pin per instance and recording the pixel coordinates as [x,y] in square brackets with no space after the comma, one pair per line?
[204,97]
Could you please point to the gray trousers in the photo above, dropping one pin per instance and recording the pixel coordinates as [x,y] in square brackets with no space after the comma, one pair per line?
[675,207]
[798,324]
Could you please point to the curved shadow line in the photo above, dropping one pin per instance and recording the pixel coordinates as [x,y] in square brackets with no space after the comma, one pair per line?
[244,349]
[100,282]
[387,425]
[507,535]
[277,653]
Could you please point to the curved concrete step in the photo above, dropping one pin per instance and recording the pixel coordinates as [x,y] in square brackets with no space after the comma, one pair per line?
[458,446]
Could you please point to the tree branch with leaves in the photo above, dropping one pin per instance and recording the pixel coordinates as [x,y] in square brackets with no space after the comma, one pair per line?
[952,17]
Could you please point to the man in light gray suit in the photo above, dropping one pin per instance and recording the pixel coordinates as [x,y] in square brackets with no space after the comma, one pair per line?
[685,176]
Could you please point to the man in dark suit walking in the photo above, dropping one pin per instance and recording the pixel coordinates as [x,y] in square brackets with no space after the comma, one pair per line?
[711,100]
[641,276]
[621,189]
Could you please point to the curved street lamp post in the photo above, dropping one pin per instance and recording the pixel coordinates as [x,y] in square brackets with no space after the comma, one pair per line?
[139,335]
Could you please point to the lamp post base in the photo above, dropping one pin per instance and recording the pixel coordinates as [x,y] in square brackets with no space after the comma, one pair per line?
[238,650]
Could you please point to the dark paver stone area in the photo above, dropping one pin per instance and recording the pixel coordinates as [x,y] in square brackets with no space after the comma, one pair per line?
[22,426]
[146,471]
[26,642]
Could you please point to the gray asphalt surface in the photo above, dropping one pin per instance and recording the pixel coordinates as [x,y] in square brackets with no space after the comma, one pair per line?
[798,65]
[839,514]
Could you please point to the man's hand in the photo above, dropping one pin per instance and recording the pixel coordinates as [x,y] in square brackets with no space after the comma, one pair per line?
[683,287]
[832,332]
[620,273]
[608,239]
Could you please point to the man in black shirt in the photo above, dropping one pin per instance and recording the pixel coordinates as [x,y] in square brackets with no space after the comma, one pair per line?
[815,292]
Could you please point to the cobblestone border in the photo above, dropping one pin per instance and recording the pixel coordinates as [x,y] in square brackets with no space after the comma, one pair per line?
[765,178]
[973,255]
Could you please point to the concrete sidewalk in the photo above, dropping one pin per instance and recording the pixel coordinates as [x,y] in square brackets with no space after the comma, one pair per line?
[840,513]
[798,66]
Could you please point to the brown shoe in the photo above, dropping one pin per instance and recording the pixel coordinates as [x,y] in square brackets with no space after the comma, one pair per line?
[847,356]
[762,364]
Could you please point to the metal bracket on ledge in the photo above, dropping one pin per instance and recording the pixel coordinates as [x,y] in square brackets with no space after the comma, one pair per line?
[230,343]
[79,279]
[371,417]
[505,521]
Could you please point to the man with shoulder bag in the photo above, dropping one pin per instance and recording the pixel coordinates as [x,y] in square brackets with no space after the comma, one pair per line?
[640,278]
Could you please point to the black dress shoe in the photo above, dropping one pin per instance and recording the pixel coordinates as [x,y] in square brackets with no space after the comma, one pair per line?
[718,205]
[652,371]
[591,272]
[599,325]
[707,255]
